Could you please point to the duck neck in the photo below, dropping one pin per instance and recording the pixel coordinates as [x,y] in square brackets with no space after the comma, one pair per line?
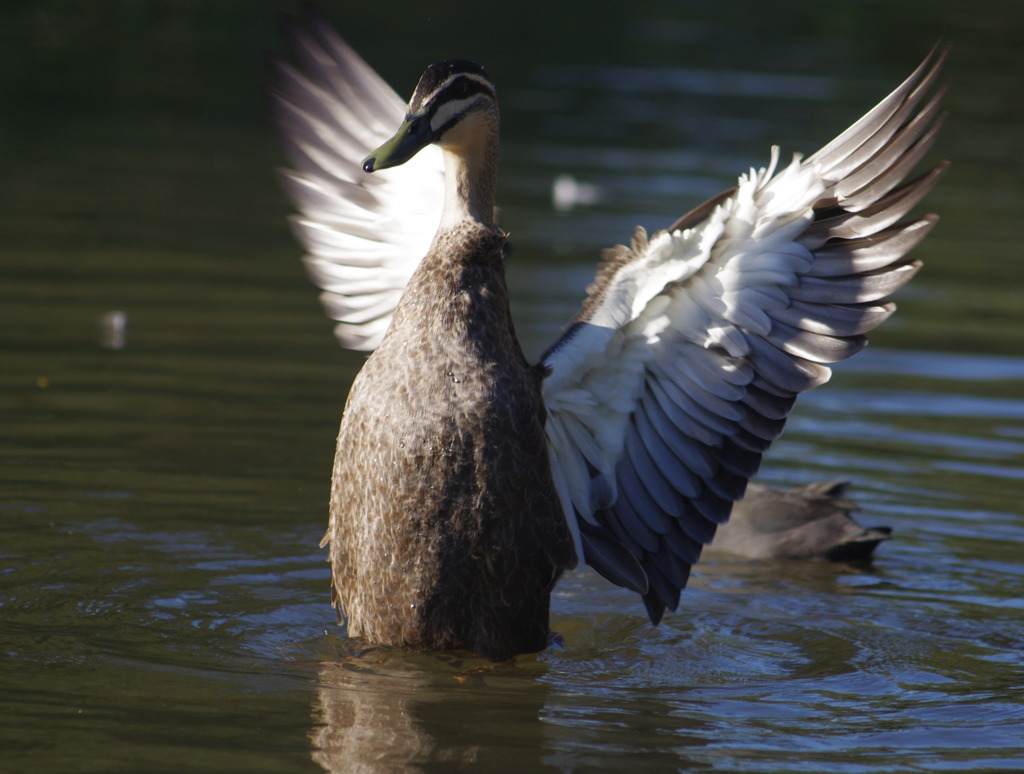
[471,173]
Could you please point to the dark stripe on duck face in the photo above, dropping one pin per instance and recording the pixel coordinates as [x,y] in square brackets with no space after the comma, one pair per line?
[449,90]
[437,75]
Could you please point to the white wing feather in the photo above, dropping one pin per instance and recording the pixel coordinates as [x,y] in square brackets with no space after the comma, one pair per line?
[669,386]
[364,234]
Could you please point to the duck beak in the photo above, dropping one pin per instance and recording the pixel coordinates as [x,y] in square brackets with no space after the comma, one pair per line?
[412,136]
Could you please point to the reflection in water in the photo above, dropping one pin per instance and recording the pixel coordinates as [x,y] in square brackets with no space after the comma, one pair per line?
[382,710]
[361,727]
[618,682]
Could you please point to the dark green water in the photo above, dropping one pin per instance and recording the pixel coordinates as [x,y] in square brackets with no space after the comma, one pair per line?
[163,603]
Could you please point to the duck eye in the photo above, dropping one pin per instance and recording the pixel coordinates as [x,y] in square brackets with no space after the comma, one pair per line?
[461,89]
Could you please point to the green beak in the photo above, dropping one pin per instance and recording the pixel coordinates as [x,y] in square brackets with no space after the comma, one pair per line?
[412,136]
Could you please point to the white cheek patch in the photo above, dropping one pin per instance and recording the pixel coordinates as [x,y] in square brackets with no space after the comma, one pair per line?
[449,110]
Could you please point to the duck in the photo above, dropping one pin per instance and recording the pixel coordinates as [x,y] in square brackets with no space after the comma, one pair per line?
[809,522]
[466,479]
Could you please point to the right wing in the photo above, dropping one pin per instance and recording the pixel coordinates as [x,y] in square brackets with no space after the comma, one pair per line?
[692,345]
[365,234]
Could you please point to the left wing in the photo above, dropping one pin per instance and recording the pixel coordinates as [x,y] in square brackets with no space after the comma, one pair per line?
[365,234]
[692,345]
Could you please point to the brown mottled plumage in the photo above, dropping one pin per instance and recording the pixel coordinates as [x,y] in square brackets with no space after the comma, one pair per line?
[445,528]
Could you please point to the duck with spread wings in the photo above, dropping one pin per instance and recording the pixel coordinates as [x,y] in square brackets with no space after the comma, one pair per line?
[467,479]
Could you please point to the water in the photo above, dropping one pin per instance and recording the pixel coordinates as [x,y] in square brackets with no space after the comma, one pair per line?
[171,394]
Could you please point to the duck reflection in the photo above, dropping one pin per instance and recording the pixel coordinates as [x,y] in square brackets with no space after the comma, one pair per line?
[382,710]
